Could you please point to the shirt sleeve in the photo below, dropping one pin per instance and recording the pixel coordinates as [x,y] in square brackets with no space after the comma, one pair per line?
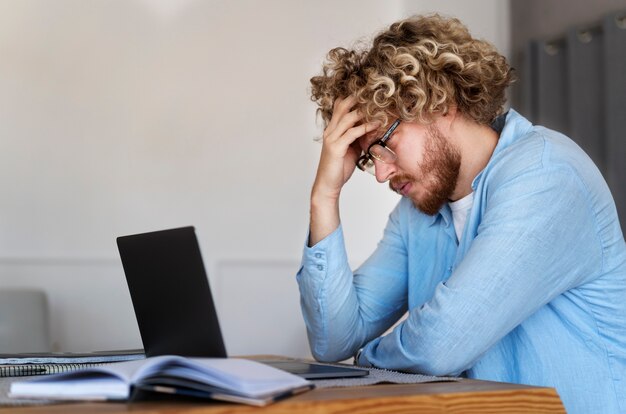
[344,310]
[537,239]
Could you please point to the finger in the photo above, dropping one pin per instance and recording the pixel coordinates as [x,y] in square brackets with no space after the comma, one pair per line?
[356,132]
[347,121]
[337,102]
[345,102]
[341,106]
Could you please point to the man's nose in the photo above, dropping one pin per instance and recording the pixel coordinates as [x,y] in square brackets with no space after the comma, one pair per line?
[384,171]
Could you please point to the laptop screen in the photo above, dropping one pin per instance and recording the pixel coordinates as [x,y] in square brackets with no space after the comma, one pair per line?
[170,293]
[174,306]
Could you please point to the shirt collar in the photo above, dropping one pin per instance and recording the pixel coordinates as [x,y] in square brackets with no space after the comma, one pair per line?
[510,126]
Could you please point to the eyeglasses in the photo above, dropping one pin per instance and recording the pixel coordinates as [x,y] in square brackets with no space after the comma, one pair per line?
[378,150]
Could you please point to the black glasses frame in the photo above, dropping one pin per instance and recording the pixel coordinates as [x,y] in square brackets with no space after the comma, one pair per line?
[363,159]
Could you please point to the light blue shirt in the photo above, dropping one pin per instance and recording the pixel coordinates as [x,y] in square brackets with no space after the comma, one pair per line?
[533,293]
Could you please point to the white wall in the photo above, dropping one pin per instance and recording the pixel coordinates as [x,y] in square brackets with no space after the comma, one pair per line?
[123,116]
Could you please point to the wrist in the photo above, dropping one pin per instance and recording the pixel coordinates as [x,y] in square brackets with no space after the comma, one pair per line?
[324,218]
[323,196]
[323,203]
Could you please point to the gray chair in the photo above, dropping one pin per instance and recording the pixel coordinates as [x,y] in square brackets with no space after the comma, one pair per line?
[24,323]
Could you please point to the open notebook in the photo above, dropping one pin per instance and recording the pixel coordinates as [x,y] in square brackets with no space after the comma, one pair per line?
[225,379]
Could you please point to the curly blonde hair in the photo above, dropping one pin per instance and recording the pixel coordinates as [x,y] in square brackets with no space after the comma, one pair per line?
[418,67]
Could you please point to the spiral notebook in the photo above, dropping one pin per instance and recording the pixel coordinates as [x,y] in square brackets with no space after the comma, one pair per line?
[18,365]
[42,369]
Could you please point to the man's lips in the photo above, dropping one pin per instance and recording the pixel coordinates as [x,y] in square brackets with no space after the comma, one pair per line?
[402,188]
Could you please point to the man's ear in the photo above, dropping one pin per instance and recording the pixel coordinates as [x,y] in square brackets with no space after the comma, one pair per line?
[445,122]
[451,111]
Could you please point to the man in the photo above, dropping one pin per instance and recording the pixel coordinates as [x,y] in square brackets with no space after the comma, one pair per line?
[505,249]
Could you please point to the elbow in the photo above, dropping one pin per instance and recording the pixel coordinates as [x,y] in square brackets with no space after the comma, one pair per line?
[330,348]
[436,359]
[324,354]
[440,369]
[324,350]
[437,355]
[324,357]
[439,363]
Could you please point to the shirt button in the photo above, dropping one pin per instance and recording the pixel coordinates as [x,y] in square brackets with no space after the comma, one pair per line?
[320,267]
[318,255]
[450,269]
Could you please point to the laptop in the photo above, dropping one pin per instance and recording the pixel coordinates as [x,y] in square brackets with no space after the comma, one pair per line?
[174,307]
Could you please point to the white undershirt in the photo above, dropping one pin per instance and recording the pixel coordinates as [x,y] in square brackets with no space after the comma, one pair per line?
[460,210]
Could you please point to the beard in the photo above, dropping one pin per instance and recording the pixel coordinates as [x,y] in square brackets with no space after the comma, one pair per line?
[438,173]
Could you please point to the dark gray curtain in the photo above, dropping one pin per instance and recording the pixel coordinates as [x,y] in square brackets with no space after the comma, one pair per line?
[614,27]
[586,107]
[578,87]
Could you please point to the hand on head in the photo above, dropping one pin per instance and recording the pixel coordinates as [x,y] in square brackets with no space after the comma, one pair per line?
[340,147]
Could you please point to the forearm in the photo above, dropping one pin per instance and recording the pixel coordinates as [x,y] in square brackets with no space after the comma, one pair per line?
[324,216]
[329,301]
[343,310]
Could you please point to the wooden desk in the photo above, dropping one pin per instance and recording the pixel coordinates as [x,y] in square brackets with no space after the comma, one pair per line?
[465,396]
